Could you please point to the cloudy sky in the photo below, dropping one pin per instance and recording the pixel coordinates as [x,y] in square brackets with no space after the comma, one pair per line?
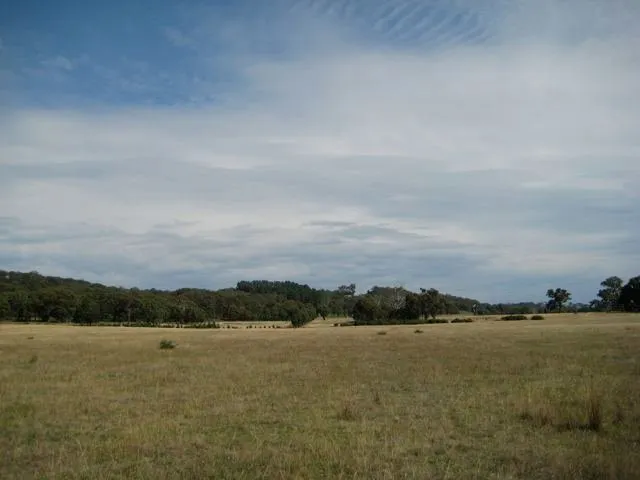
[487,148]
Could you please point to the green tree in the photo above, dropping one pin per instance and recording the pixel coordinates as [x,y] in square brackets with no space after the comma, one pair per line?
[433,302]
[88,310]
[21,306]
[610,294]
[557,298]
[5,308]
[412,308]
[368,311]
[630,295]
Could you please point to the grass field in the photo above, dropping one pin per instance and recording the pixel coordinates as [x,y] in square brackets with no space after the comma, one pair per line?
[553,399]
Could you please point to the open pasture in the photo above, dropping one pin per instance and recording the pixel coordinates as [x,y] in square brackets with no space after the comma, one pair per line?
[552,399]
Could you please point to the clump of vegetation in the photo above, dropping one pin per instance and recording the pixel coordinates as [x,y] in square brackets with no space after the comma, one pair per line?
[348,323]
[436,320]
[537,317]
[514,317]
[348,412]
[567,415]
[417,331]
[167,344]
[203,325]
[462,320]
[382,332]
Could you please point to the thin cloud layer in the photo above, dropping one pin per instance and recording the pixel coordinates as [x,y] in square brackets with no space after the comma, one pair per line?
[483,148]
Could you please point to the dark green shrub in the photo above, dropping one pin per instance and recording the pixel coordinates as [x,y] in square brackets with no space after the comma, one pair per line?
[167,344]
[514,317]
[537,317]
[436,320]
[207,325]
[462,320]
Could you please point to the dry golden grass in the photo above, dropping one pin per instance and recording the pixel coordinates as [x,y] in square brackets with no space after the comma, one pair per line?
[553,399]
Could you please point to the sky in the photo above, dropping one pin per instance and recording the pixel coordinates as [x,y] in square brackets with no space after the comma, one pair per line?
[487,148]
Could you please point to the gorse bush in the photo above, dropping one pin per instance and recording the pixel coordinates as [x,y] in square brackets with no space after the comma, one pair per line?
[167,344]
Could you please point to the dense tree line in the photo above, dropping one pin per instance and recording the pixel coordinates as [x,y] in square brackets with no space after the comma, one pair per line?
[33,297]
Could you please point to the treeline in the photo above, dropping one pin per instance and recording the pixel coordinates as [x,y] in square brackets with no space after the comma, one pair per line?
[26,297]
[615,295]
[30,296]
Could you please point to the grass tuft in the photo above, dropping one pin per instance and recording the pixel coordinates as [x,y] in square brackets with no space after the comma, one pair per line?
[348,413]
[594,413]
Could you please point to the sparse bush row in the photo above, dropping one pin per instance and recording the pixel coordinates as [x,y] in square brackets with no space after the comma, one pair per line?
[508,318]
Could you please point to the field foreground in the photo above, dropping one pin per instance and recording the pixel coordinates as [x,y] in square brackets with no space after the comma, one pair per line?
[553,399]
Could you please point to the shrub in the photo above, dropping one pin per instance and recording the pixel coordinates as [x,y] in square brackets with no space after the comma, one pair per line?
[382,332]
[462,320]
[167,344]
[436,320]
[514,317]
[203,325]
[417,331]
[537,317]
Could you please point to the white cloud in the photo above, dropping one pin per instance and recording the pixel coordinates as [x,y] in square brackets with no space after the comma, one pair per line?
[516,157]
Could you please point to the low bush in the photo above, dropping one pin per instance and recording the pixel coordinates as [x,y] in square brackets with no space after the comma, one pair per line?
[348,323]
[436,320]
[462,320]
[167,344]
[207,325]
[537,317]
[514,317]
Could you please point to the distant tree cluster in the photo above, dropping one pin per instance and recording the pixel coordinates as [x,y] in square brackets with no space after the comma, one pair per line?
[615,295]
[26,297]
